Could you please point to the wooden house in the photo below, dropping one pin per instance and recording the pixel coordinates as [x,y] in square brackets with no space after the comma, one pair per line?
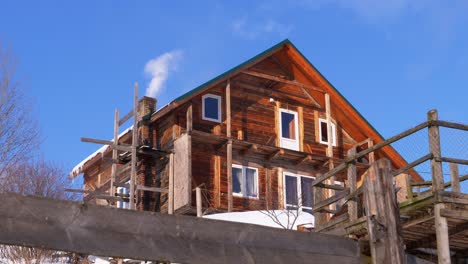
[255,137]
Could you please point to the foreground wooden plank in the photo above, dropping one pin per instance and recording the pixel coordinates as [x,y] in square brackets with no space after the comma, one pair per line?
[103,231]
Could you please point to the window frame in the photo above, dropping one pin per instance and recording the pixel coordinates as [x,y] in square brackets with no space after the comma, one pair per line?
[333,128]
[218,98]
[298,189]
[296,129]
[242,194]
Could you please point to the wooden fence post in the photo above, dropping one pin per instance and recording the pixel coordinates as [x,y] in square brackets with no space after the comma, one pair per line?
[383,217]
[352,175]
[454,177]
[198,195]
[170,200]
[320,218]
[443,248]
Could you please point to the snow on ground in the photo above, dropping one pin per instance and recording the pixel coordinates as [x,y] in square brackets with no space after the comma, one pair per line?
[264,218]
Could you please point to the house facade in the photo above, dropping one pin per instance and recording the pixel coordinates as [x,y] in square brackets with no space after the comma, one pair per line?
[252,138]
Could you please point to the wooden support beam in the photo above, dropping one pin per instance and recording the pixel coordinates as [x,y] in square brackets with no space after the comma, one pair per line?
[454,177]
[282,80]
[151,189]
[417,221]
[330,137]
[114,152]
[409,187]
[275,154]
[319,218]
[170,198]
[443,248]
[189,117]
[452,160]
[332,187]
[101,231]
[229,145]
[412,164]
[352,185]
[455,214]
[371,154]
[251,149]
[126,118]
[198,195]
[134,146]
[82,191]
[323,204]
[452,197]
[450,125]
[303,160]
[310,97]
[383,224]
[97,141]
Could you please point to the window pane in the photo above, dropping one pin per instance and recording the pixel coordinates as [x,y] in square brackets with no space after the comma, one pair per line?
[211,108]
[324,131]
[307,192]
[288,126]
[291,190]
[251,182]
[236,180]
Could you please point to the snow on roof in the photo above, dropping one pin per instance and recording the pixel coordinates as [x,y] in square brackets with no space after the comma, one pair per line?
[78,169]
[268,218]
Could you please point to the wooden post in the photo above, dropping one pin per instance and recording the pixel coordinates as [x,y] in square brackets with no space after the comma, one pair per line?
[134,146]
[383,218]
[443,248]
[454,176]
[229,145]
[114,152]
[409,187]
[199,201]
[352,185]
[170,200]
[300,117]
[320,218]
[370,144]
[331,165]
[189,118]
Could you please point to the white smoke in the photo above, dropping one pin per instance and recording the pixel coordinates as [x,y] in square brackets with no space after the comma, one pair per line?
[158,69]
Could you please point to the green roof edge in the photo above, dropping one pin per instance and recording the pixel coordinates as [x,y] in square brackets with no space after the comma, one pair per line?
[273,48]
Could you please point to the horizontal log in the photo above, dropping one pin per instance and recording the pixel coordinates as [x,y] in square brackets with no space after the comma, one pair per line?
[97,141]
[81,191]
[151,189]
[452,160]
[413,164]
[451,125]
[452,197]
[97,230]
[446,185]
[332,187]
[455,214]
[282,80]
[322,204]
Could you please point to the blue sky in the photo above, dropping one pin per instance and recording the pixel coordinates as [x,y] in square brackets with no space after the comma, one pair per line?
[393,60]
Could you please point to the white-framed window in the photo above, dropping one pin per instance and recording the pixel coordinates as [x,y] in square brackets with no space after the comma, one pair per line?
[289,130]
[323,132]
[244,181]
[124,191]
[211,107]
[298,191]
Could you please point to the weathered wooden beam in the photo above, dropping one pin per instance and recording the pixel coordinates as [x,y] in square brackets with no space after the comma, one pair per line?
[333,222]
[319,196]
[282,80]
[275,154]
[443,248]
[417,221]
[454,177]
[451,125]
[252,148]
[409,188]
[198,196]
[310,97]
[430,239]
[352,185]
[451,160]
[189,117]
[455,214]
[102,231]
[452,197]
[97,141]
[303,160]
[82,191]
[322,204]
[413,164]
[126,118]
[229,145]
[332,187]
[151,189]
[170,198]
[134,146]
[114,152]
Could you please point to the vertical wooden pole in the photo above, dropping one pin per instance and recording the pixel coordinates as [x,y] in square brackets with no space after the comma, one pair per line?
[320,218]
[189,117]
[229,145]
[277,123]
[383,222]
[409,188]
[134,146]
[352,184]
[330,136]
[443,248]
[454,177]
[114,153]
[300,117]
[199,201]
[170,200]
[370,144]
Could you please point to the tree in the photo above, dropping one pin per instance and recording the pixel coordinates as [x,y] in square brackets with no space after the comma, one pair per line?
[19,136]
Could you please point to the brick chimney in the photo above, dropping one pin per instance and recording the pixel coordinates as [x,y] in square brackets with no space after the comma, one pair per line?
[146,107]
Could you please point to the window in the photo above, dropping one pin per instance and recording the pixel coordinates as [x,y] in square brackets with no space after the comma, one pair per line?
[123,192]
[211,107]
[289,129]
[323,131]
[298,192]
[244,181]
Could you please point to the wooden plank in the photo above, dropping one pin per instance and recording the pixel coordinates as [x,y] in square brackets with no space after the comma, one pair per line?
[453,197]
[322,204]
[182,172]
[333,222]
[454,176]
[275,154]
[451,125]
[282,80]
[455,214]
[229,174]
[303,160]
[452,160]
[114,152]
[332,187]
[383,224]
[97,141]
[170,198]
[371,154]
[319,218]
[417,221]
[96,230]
[409,187]
[310,97]
[277,123]
[443,248]
[198,196]
[369,150]
[134,146]
[151,189]
[126,118]
[300,117]
[189,117]
[412,164]
[228,109]
[352,185]
[251,149]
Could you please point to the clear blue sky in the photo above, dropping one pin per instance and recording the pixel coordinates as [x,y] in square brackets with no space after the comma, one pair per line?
[393,60]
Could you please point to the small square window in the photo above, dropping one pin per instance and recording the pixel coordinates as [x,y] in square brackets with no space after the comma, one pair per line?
[244,181]
[323,132]
[211,107]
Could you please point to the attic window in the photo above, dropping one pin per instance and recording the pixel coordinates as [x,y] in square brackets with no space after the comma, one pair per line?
[211,107]
[323,131]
